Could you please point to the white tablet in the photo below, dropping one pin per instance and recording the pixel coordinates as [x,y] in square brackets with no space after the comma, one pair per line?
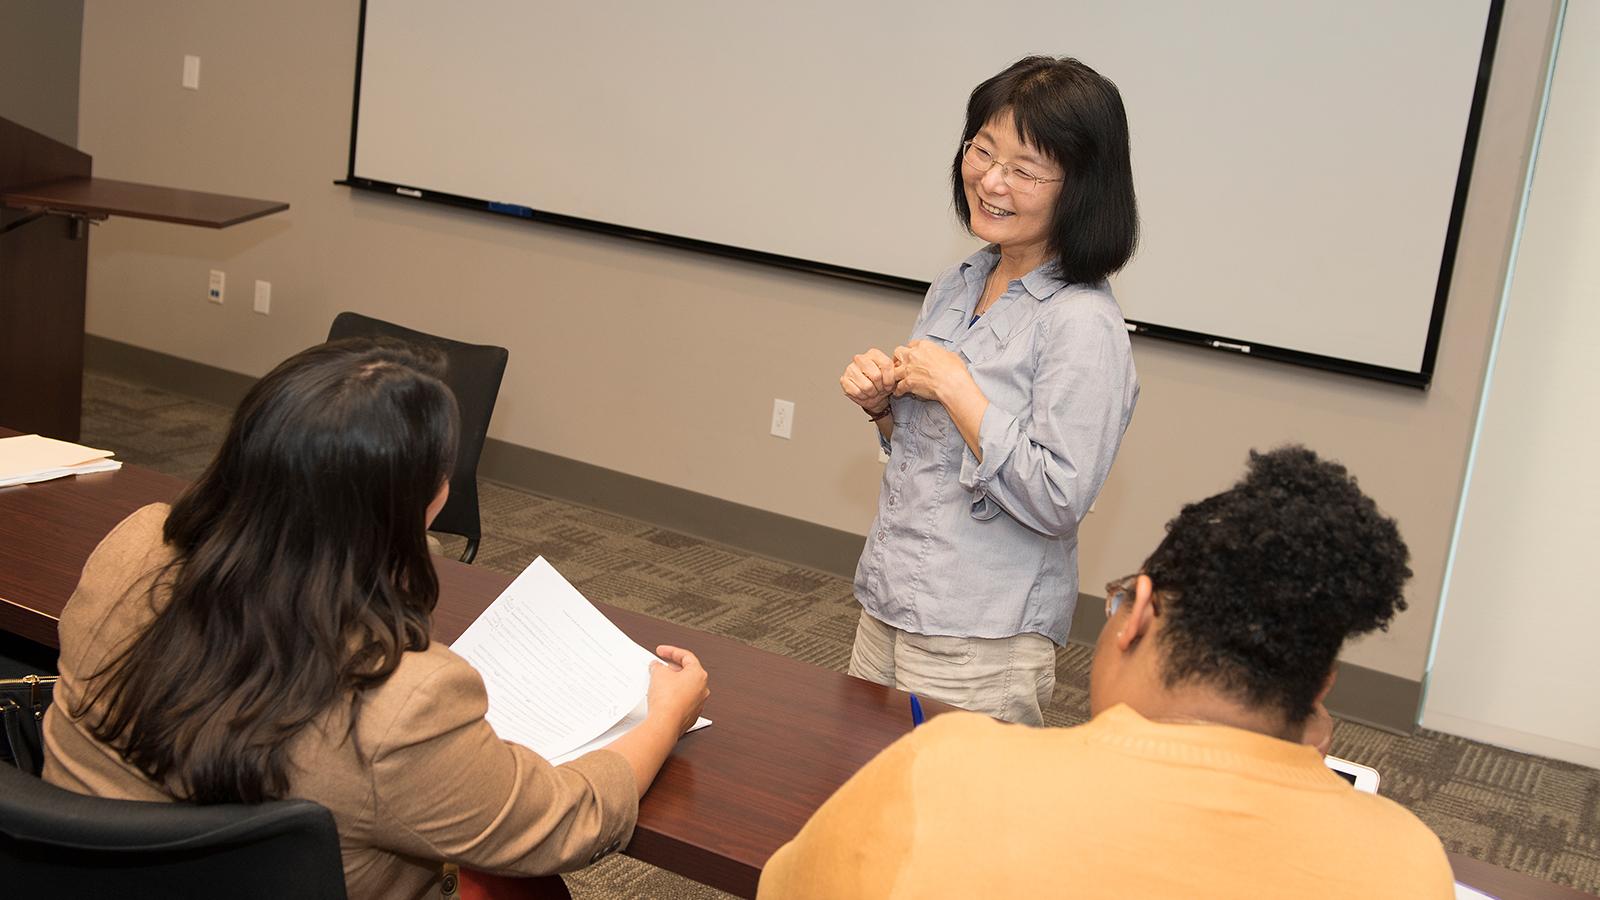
[1364,778]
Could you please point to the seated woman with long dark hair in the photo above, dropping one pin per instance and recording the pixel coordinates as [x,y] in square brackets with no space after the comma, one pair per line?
[268,637]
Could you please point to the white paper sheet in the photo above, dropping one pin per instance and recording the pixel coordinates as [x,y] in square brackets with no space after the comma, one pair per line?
[560,676]
[28,458]
[628,723]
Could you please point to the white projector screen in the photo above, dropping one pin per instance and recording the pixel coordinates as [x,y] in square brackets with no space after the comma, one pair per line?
[1299,165]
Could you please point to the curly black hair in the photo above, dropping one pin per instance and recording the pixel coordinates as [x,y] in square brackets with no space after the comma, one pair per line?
[1260,585]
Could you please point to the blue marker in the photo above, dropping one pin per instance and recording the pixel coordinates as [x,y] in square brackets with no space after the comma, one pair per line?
[916,711]
[511,209]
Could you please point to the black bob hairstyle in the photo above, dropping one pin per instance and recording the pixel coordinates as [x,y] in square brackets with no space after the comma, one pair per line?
[1260,585]
[1074,116]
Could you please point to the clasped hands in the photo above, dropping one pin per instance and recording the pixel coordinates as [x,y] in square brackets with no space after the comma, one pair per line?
[921,368]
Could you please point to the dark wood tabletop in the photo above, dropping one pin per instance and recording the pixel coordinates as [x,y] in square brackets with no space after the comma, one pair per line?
[786,733]
[106,197]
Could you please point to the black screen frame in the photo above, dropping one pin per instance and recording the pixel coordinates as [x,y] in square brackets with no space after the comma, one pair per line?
[1230,345]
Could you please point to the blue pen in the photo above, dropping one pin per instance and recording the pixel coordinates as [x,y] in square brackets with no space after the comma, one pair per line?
[916,711]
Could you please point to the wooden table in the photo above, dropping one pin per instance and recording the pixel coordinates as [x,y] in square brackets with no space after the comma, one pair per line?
[787,734]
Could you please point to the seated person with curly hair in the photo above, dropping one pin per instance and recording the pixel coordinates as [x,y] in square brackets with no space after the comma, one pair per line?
[1194,777]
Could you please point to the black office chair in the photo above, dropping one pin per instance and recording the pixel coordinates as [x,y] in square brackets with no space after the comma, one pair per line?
[473,372]
[55,843]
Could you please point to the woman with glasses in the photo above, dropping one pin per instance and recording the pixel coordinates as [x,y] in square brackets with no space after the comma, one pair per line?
[267,636]
[1003,412]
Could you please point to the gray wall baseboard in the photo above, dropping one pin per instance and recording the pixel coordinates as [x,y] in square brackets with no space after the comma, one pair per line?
[745,527]
[1360,695]
[169,373]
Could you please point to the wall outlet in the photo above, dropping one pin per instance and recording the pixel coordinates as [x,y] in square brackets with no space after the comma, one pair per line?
[263,297]
[782,418]
[218,282]
[191,72]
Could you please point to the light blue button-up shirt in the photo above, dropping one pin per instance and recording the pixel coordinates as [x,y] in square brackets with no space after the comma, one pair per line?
[990,549]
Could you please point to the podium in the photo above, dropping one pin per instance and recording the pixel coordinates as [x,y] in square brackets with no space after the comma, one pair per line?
[48,196]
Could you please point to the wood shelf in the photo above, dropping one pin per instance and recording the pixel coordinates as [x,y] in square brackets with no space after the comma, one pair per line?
[102,197]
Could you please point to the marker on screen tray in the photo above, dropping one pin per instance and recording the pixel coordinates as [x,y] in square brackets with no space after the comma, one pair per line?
[1237,348]
[511,209]
[408,192]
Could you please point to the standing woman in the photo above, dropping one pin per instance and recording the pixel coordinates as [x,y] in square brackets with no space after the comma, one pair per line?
[268,637]
[1003,412]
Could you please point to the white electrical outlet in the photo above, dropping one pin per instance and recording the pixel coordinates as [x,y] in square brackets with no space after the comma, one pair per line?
[191,72]
[782,418]
[218,282]
[263,297]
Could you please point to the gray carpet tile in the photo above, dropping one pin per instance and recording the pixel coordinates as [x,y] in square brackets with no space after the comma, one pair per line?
[1529,814]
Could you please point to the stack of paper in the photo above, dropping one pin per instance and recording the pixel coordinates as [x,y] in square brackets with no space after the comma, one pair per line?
[562,680]
[28,458]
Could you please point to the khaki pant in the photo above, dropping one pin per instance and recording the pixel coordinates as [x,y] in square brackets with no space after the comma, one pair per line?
[1008,678]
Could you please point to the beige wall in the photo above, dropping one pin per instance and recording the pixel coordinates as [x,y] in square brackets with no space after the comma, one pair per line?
[1516,644]
[39,42]
[663,364]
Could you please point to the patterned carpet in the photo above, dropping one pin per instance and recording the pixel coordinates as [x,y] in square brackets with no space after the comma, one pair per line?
[1529,814]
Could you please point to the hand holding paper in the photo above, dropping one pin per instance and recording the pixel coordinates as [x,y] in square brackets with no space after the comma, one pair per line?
[678,685]
[562,679]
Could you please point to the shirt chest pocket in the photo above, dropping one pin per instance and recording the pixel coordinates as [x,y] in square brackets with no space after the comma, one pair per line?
[930,419]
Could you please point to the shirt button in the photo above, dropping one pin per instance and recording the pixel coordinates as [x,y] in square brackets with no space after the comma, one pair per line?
[902,467]
[880,535]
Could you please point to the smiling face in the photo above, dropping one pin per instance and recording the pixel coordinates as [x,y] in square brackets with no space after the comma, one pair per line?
[1017,221]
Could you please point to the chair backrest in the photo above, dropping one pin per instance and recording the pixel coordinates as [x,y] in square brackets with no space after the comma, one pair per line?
[473,372]
[55,843]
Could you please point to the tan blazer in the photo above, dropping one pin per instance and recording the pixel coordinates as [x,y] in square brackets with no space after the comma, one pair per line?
[438,785]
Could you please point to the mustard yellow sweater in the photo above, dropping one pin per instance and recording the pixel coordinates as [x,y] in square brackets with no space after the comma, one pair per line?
[1120,807]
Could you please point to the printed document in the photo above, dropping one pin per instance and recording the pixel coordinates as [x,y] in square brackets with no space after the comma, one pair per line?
[562,679]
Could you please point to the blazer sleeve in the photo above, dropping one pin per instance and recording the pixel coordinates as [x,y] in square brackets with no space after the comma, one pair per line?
[447,787]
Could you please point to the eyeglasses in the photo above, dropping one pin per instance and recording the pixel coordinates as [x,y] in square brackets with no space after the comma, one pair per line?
[1124,590]
[1119,592]
[982,160]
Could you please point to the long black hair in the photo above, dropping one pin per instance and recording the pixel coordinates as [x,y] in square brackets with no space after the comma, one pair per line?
[1074,115]
[301,572]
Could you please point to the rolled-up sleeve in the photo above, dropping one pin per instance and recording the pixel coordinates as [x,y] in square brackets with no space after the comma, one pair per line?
[1044,465]
[446,787]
